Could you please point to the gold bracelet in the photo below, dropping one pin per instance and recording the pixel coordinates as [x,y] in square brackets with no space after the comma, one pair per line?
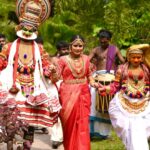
[3,55]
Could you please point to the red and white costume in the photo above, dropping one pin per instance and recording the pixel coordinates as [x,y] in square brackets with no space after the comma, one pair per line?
[37,98]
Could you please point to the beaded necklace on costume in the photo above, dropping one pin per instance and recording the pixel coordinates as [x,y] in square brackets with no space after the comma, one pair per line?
[25,64]
[135,86]
[77,66]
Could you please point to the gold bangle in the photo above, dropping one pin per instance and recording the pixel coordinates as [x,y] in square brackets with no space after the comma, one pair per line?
[3,55]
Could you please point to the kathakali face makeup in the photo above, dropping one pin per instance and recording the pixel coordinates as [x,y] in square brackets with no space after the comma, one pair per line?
[28,30]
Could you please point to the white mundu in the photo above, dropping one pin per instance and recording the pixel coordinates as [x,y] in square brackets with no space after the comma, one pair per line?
[99,119]
[56,131]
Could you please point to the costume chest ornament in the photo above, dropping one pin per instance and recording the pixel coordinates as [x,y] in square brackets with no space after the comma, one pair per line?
[133,107]
[135,86]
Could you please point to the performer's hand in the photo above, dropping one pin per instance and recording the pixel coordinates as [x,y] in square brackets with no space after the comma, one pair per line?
[49,69]
[95,84]
[102,90]
[52,68]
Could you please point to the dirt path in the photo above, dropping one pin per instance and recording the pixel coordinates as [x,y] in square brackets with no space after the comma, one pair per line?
[41,142]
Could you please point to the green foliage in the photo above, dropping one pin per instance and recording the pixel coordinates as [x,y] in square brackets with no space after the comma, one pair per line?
[6,26]
[58,28]
[127,19]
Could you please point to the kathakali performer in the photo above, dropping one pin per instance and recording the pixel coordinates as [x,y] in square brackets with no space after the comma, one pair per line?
[26,75]
[129,110]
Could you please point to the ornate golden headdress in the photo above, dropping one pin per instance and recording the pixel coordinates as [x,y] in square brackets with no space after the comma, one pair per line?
[140,49]
[32,13]
[135,51]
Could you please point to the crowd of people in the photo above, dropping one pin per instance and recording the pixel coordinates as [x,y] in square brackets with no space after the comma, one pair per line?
[62,92]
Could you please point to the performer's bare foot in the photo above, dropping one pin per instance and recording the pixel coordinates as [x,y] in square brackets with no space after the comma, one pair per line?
[56,144]
[45,131]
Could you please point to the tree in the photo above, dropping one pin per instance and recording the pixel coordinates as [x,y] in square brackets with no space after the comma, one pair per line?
[7,26]
[128,20]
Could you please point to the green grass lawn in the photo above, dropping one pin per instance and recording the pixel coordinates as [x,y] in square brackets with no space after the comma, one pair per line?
[113,143]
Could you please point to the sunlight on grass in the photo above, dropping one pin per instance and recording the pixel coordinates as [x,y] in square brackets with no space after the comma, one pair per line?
[113,143]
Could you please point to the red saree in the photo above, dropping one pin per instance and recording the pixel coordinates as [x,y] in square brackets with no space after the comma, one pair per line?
[75,100]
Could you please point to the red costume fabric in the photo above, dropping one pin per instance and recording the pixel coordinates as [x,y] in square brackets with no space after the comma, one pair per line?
[75,100]
[39,109]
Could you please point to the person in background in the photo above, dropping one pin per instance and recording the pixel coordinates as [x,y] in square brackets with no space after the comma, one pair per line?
[129,110]
[62,48]
[56,132]
[105,53]
[103,56]
[2,41]
[75,97]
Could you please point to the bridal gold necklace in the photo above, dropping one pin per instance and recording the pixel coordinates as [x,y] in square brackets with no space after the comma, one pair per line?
[77,66]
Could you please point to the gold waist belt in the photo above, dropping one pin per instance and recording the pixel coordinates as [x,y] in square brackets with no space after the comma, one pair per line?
[25,79]
[75,81]
[133,107]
